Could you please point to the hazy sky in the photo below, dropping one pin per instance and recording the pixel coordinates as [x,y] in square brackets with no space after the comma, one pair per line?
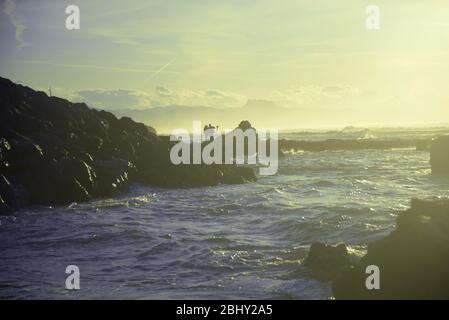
[317,55]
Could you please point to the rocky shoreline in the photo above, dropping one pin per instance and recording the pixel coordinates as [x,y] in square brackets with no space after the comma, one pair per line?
[54,152]
[412,261]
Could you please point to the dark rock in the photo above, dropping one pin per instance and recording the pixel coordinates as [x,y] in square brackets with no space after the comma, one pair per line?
[245,125]
[439,155]
[81,178]
[12,196]
[53,151]
[326,262]
[236,175]
[413,260]
[23,152]
[113,175]
[198,175]
[422,145]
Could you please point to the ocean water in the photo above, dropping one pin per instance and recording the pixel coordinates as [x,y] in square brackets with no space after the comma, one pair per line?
[358,133]
[225,242]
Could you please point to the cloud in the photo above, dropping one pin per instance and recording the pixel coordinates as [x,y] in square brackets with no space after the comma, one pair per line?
[339,91]
[9,9]
[163,91]
[115,99]
[303,96]
[207,98]
[161,96]
[92,67]
[214,93]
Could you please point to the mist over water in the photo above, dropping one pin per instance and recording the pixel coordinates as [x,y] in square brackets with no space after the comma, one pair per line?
[225,242]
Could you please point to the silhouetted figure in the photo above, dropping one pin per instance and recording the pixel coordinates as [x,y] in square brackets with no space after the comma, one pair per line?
[209,131]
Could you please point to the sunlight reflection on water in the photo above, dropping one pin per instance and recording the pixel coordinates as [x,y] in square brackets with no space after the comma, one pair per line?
[243,241]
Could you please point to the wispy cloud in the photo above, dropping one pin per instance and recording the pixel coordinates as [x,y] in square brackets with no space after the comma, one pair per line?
[95,67]
[116,99]
[9,8]
[132,99]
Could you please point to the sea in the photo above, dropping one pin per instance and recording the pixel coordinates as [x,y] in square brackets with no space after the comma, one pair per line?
[225,242]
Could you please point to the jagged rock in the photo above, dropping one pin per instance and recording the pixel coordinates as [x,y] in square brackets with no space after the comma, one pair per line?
[413,260]
[198,175]
[113,175]
[53,151]
[11,196]
[439,155]
[81,177]
[326,262]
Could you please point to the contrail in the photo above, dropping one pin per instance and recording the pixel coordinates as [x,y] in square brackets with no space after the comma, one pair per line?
[88,66]
[155,73]
[161,69]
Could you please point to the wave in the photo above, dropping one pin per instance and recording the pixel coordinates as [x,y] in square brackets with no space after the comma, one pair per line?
[111,203]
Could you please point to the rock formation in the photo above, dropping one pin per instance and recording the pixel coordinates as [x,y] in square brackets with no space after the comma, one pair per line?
[53,151]
[439,155]
[245,125]
[413,260]
[326,262]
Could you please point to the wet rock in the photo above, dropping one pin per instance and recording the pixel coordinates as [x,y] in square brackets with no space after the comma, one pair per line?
[12,196]
[53,151]
[113,175]
[78,181]
[236,175]
[439,155]
[6,196]
[22,152]
[326,262]
[413,260]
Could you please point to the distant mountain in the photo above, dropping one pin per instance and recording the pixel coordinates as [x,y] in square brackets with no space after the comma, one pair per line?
[261,113]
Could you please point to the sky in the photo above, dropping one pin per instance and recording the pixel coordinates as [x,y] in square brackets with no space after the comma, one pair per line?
[311,55]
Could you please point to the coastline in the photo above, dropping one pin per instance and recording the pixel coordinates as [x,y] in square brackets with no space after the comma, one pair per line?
[53,151]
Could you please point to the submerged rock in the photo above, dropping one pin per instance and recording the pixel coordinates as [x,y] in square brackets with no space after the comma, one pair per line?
[439,155]
[53,151]
[413,260]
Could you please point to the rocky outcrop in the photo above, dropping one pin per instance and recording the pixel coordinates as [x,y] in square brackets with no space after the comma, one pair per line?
[413,260]
[327,262]
[439,155]
[53,151]
[245,125]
